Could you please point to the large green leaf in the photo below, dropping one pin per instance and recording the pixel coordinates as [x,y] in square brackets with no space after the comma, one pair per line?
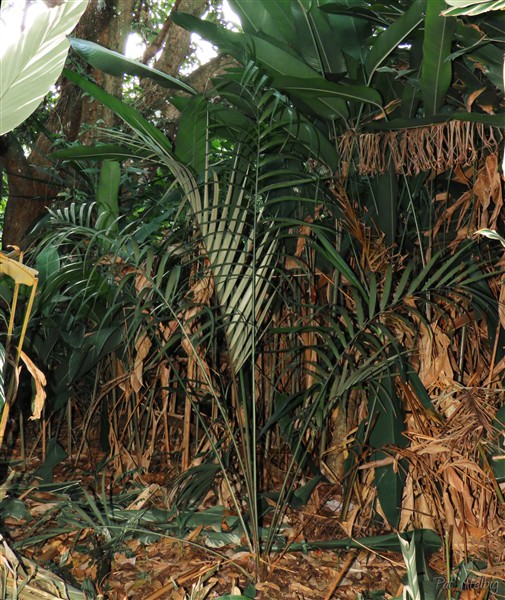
[357,12]
[107,195]
[393,36]
[116,64]
[428,539]
[436,72]
[350,29]
[272,19]
[386,417]
[489,56]
[33,51]
[246,47]
[384,211]
[48,263]
[101,152]
[191,143]
[274,59]
[320,88]
[94,347]
[55,454]
[497,120]
[152,136]
[317,38]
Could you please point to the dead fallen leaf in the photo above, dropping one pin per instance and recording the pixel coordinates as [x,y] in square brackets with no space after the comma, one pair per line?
[40,383]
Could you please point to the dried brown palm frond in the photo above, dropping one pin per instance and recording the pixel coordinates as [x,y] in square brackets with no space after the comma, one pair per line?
[450,487]
[479,207]
[410,151]
[375,254]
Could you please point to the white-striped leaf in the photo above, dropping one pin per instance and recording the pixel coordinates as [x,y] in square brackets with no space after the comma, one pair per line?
[33,51]
[491,234]
[411,591]
[472,7]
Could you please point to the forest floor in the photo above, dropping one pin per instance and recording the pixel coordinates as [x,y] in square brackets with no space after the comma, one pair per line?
[179,569]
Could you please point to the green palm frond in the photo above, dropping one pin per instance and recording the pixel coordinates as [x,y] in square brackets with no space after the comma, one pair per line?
[242,266]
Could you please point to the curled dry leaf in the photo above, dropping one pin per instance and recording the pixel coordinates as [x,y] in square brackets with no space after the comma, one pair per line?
[40,383]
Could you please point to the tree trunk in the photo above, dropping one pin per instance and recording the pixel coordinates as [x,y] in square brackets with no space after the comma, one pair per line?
[26,196]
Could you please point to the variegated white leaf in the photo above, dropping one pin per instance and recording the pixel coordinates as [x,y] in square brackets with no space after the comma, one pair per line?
[33,51]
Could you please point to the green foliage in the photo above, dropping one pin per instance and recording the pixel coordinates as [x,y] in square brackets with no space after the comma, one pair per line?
[366,82]
[436,73]
[115,63]
[107,196]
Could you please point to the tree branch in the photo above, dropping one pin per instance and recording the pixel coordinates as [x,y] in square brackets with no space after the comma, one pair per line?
[162,36]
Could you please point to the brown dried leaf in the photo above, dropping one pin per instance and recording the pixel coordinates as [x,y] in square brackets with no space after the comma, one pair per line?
[142,347]
[434,448]
[472,97]
[40,383]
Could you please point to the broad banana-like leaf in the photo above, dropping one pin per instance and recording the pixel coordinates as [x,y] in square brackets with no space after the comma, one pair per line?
[436,73]
[323,90]
[191,144]
[102,152]
[276,60]
[116,64]
[318,38]
[107,195]
[497,120]
[385,412]
[472,7]
[153,137]
[272,19]
[488,55]
[356,12]
[393,36]
[384,211]
[33,51]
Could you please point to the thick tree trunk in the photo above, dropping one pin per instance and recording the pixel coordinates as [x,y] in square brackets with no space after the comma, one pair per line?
[27,196]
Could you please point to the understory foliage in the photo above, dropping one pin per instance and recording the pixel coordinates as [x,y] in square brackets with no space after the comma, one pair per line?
[252,315]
